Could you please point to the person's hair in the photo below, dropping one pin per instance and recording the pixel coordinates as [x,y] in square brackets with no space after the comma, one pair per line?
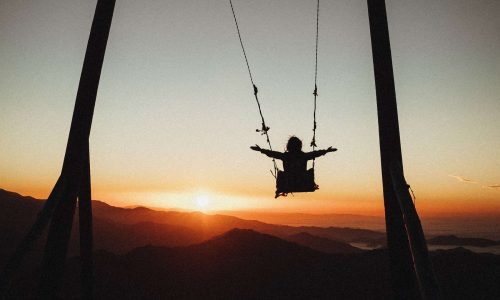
[294,144]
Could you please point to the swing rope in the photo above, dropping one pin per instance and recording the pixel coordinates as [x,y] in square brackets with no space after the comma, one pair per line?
[315,93]
[264,128]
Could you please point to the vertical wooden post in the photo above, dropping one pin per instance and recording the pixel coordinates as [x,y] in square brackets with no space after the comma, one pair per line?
[424,273]
[403,276]
[86,235]
[57,243]
[76,162]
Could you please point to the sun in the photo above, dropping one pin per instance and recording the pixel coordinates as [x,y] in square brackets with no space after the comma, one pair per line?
[202,202]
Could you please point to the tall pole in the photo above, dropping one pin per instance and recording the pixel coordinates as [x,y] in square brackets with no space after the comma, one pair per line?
[86,235]
[403,275]
[424,273]
[75,168]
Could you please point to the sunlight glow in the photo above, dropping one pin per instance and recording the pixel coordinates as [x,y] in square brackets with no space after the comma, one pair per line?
[202,201]
[189,200]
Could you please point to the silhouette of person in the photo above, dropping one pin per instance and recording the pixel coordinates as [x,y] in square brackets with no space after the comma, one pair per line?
[294,159]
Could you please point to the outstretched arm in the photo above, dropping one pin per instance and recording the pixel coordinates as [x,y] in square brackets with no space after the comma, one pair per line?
[270,153]
[317,153]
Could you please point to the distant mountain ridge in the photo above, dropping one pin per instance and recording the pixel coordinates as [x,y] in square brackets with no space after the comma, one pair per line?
[376,223]
[122,229]
[217,224]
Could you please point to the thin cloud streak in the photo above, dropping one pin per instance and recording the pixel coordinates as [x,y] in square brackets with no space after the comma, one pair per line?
[495,186]
[471,181]
[463,179]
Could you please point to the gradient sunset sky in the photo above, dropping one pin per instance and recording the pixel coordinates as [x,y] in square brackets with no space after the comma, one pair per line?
[175,114]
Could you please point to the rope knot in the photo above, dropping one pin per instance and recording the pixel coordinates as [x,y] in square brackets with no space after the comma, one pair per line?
[313,143]
[264,129]
[255,90]
[315,93]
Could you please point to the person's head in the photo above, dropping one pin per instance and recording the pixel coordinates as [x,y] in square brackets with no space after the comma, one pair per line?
[294,144]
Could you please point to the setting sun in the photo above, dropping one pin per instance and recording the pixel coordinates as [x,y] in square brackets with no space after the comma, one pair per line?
[202,202]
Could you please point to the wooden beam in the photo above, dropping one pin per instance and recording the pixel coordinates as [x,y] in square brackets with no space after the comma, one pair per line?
[86,234]
[76,158]
[424,273]
[403,277]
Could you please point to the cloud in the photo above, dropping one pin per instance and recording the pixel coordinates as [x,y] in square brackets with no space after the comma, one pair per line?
[463,179]
[494,186]
[467,180]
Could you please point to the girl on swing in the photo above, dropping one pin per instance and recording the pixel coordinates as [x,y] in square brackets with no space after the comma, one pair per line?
[295,177]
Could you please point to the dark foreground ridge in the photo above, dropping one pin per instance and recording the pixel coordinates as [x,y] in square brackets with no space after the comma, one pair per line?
[244,264]
[240,264]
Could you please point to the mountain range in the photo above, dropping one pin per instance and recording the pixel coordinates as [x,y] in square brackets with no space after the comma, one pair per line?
[120,230]
[147,254]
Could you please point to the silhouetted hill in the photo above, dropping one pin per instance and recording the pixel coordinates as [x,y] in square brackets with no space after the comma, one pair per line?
[322,244]
[121,238]
[245,242]
[464,274]
[453,240]
[234,245]
[18,213]
[243,264]
[240,264]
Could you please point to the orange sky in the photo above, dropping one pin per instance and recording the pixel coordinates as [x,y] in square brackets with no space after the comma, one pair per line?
[175,114]
[330,201]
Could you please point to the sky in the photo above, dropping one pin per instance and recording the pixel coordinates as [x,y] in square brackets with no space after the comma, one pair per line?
[175,113]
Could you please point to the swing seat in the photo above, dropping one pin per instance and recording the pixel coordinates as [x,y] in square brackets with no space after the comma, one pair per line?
[287,182]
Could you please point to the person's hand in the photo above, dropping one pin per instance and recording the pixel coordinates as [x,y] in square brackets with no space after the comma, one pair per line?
[331,149]
[255,148]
